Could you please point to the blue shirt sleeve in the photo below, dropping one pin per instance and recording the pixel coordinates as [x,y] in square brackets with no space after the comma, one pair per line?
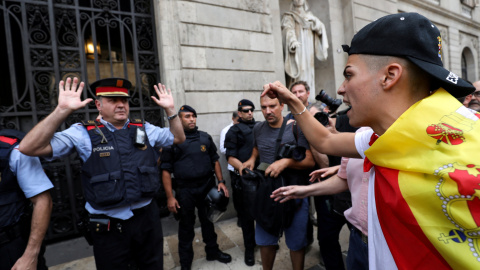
[74,138]
[30,175]
[157,136]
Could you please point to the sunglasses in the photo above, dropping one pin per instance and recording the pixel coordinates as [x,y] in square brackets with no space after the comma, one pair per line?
[247,110]
[476,94]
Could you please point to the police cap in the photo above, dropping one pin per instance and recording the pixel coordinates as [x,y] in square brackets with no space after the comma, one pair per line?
[186,108]
[111,87]
[245,102]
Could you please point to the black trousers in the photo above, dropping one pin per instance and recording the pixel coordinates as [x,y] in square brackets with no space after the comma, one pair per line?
[329,226]
[10,252]
[190,198]
[138,240]
[246,220]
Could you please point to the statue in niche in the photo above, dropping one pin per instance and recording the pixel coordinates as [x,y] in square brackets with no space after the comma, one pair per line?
[304,38]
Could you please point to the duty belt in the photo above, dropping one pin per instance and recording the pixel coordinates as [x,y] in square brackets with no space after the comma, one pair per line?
[10,233]
[102,223]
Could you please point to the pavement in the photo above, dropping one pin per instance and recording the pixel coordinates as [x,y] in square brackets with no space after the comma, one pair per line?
[76,254]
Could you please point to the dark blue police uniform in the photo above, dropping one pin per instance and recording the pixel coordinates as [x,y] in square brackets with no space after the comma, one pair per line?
[192,164]
[16,186]
[239,144]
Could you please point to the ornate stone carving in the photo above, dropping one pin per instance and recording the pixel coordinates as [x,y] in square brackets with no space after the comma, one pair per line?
[305,39]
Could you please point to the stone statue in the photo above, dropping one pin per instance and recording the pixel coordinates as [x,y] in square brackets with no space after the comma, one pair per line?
[305,38]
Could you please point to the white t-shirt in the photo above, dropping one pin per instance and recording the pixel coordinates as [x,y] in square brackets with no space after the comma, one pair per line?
[223,150]
[379,255]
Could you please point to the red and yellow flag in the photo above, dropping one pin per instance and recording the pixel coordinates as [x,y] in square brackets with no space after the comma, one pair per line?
[427,185]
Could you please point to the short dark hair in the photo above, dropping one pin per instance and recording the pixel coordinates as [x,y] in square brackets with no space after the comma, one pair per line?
[304,83]
[234,114]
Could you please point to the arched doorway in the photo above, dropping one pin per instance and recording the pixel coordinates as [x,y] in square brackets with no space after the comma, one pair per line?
[468,64]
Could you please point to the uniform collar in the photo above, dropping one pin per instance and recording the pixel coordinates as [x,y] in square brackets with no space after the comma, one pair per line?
[111,127]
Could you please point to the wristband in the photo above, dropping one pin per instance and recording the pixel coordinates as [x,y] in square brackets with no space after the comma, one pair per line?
[172,116]
[300,112]
[221,182]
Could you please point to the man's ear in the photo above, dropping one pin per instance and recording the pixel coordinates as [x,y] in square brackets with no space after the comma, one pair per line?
[98,104]
[392,75]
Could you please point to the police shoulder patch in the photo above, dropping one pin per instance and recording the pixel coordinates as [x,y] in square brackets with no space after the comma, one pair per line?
[136,121]
[90,122]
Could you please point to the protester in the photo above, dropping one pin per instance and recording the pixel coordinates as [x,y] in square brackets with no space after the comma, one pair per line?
[421,153]
[270,137]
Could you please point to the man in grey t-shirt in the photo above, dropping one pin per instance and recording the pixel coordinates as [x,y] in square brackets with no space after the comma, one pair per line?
[265,135]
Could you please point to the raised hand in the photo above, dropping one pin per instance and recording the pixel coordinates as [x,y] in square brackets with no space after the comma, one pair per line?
[277,90]
[165,98]
[69,95]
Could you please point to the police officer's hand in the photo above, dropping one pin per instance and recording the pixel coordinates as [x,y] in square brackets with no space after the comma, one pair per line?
[276,168]
[172,204]
[165,98]
[69,95]
[224,188]
[27,261]
[249,164]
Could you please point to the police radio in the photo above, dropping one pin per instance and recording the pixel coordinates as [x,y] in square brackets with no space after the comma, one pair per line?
[140,136]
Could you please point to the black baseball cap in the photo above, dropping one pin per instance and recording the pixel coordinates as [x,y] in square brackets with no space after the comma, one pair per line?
[245,102]
[186,108]
[111,87]
[414,37]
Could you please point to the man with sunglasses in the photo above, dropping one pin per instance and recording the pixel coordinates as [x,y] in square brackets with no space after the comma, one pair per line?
[474,103]
[239,145]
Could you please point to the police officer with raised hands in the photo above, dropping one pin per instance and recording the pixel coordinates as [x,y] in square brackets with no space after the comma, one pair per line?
[193,164]
[119,174]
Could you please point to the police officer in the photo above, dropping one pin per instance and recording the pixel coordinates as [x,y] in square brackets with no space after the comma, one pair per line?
[119,174]
[192,164]
[22,181]
[239,145]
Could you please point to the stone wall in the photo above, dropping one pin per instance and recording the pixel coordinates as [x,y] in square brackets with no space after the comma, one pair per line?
[216,52]
[459,26]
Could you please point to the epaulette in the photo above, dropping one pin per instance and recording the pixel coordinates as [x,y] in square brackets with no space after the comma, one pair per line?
[136,122]
[91,124]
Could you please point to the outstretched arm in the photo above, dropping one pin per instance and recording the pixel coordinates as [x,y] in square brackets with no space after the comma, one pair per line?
[42,207]
[165,100]
[317,135]
[37,141]
[333,185]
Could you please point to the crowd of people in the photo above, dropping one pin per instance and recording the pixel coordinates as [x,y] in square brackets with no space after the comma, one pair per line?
[404,183]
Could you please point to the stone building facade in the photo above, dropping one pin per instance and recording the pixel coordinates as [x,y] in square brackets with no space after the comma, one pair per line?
[211,53]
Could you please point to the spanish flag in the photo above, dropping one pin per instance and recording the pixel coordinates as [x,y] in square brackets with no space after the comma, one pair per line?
[427,185]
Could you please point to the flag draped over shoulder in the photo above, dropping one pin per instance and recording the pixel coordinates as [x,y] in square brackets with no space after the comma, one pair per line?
[427,185]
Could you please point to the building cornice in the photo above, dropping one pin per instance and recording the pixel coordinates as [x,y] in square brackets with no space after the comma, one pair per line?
[443,12]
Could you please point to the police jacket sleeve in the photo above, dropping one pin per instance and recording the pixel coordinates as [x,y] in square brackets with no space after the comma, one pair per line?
[166,159]
[231,142]
[212,151]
